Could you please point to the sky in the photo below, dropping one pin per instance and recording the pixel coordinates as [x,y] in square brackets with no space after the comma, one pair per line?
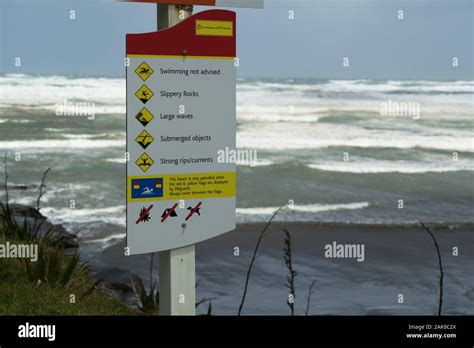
[312,45]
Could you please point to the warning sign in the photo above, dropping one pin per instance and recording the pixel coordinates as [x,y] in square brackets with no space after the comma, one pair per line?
[144,116]
[144,71]
[144,162]
[144,139]
[174,142]
[144,94]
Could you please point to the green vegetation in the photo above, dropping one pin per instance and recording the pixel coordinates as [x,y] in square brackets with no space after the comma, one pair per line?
[21,295]
[148,302]
[53,282]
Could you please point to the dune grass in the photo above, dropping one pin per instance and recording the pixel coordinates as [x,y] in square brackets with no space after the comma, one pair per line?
[21,296]
[54,284]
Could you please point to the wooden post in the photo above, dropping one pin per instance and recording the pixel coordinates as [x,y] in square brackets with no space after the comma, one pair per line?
[177,267]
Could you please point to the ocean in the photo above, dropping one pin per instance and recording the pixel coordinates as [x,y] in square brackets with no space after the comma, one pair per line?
[344,151]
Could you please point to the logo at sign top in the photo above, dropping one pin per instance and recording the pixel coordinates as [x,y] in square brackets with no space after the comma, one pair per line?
[144,139]
[144,94]
[214,28]
[144,71]
[144,162]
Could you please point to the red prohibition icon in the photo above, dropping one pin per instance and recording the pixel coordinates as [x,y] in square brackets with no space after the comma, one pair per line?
[144,214]
[169,212]
[193,210]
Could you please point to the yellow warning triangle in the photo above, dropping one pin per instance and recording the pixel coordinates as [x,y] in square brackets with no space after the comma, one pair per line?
[144,139]
[144,162]
[144,94]
[144,71]
[144,117]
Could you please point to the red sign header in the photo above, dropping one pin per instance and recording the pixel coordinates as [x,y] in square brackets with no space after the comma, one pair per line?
[207,34]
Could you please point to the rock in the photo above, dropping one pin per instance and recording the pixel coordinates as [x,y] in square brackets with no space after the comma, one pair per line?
[24,210]
[19,186]
[61,236]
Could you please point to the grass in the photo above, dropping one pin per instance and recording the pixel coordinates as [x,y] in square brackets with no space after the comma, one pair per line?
[19,296]
[290,279]
[254,255]
[56,284]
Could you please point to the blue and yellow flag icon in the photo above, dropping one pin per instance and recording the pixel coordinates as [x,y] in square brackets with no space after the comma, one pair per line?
[147,188]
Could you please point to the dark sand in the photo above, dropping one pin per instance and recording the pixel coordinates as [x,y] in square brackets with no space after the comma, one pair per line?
[398,260]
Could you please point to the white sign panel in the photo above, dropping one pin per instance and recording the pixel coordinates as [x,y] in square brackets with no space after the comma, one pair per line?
[180,120]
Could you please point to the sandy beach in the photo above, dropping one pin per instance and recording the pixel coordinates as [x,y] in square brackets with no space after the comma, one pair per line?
[398,260]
